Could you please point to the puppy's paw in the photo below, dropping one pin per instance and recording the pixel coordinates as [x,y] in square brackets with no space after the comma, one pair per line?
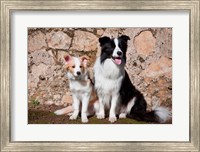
[112,119]
[73,117]
[122,115]
[100,116]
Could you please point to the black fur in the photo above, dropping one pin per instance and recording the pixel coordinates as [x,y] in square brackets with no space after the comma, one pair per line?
[108,45]
[138,111]
[127,90]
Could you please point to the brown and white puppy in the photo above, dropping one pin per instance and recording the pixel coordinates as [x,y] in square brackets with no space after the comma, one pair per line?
[81,88]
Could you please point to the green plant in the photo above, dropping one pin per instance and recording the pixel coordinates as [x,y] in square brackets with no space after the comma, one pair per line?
[35,102]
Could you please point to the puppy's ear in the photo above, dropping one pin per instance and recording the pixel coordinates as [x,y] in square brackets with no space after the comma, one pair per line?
[103,40]
[124,38]
[84,60]
[67,58]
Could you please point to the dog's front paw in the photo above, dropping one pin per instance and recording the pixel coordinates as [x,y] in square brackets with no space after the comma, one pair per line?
[84,120]
[100,116]
[122,115]
[112,119]
[73,117]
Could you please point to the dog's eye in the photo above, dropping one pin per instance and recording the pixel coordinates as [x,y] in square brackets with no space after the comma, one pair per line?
[73,66]
[81,66]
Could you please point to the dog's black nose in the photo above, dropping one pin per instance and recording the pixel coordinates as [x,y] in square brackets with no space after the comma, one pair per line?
[119,53]
[78,73]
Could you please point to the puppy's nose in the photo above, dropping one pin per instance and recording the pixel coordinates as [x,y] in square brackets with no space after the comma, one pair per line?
[78,73]
[119,53]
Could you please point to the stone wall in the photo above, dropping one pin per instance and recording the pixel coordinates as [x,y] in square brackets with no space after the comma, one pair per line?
[149,61]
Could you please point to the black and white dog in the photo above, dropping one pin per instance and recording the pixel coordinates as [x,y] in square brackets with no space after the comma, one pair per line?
[114,88]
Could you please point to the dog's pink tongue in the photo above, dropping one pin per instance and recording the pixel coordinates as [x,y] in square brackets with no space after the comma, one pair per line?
[118,61]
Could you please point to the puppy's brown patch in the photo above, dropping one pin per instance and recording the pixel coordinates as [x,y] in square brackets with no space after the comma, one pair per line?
[84,63]
[93,98]
[84,60]
[70,66]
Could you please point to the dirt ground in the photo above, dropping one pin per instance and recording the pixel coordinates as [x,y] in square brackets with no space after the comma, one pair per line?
[44,114]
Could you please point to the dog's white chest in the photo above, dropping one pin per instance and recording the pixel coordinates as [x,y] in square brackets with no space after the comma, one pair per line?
[108,77]
[79,88]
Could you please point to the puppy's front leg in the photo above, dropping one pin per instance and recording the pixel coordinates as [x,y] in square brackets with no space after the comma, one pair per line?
[112,114]
[76,104]
[85,103]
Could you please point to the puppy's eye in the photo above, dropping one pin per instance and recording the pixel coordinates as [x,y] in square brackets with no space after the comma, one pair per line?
[73,66]
[81,66]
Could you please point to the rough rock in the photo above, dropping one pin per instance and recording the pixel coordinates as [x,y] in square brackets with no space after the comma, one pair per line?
[57,97]
[112,32]
[50,71]
[149,61]
[100,32]
[158,68]
[84,41]
[145,43]
[90,29]
[60,56]
[58,40]
[50,102]
[36,71]
[36,41]
[164,42]
[41,56]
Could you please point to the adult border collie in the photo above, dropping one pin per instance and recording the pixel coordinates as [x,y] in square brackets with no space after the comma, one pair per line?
[114,88]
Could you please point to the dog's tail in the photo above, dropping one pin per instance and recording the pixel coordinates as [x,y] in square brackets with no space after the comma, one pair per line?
[158,115]
[63,111]
[163,114]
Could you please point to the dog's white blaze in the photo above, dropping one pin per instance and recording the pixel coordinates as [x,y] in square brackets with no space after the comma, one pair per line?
[77,66]
[116,48]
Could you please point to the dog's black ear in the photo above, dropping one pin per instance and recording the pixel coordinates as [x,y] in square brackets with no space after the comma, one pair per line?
[103,40]
[124,38]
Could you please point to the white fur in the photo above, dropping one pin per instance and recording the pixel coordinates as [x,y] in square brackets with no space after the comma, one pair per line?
[108,79]
[116,48]
[130,105]
[163,113]
[127,109]
[81,89]
[122,115]
[62,111]
[77,65]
